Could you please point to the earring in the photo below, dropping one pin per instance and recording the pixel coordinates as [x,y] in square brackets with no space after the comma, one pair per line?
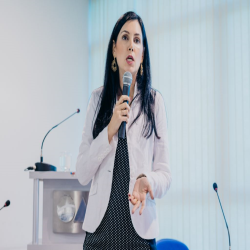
[113,65]
[141,69]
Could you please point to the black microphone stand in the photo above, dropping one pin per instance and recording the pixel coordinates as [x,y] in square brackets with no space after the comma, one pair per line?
[215,189]
[41,166]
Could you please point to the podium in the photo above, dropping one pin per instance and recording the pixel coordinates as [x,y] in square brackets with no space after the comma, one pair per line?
[57,234]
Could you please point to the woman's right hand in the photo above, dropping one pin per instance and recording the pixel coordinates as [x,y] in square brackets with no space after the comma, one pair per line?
[120,114]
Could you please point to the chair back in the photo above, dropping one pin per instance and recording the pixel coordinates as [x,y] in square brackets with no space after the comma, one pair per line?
[170,244]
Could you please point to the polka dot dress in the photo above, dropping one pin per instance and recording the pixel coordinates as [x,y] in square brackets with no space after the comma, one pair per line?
[116,231]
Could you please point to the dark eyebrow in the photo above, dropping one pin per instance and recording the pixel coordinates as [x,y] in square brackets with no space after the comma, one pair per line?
[136,34]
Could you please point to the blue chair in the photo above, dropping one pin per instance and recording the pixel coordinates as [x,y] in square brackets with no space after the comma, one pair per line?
[169,244]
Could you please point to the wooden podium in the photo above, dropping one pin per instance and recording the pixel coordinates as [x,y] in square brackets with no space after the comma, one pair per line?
[53,182]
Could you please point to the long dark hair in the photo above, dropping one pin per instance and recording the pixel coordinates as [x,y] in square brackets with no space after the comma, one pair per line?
[112,86]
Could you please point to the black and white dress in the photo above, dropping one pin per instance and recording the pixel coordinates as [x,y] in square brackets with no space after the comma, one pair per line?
[116,230]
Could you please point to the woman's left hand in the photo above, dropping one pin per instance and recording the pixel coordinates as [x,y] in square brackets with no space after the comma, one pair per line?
[141,188]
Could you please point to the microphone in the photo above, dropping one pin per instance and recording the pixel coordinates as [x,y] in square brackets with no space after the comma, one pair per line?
[127,80]
[215,187]
[7,203]
[41,166]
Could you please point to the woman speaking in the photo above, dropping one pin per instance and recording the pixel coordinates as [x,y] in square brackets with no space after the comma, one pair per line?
[127,173]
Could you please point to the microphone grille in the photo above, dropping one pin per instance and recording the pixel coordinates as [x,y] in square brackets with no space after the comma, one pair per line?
[7,203]
[215,187]
[127,78]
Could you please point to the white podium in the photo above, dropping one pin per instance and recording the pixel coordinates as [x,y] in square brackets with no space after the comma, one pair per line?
[53,181]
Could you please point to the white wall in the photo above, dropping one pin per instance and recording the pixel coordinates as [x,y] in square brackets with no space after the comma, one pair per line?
[43,79]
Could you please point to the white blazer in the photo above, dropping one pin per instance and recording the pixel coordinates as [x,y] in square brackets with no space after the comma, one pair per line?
[148,156]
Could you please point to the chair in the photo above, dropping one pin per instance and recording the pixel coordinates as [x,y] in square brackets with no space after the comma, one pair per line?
[169,244]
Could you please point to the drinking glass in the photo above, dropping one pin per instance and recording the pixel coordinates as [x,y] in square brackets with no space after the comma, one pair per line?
[65,161]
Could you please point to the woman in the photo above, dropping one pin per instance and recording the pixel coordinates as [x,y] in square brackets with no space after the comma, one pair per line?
[127,174]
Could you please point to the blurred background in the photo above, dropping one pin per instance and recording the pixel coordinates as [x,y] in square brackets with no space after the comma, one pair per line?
[52,56]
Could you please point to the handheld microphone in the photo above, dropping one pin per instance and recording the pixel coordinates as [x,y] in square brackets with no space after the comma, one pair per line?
[215,187]
[41,166]
[127,80]
[7,203]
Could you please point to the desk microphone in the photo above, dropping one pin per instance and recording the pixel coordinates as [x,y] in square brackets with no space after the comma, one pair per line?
[127,80]
[41,166]
[215,189]
[7,203]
